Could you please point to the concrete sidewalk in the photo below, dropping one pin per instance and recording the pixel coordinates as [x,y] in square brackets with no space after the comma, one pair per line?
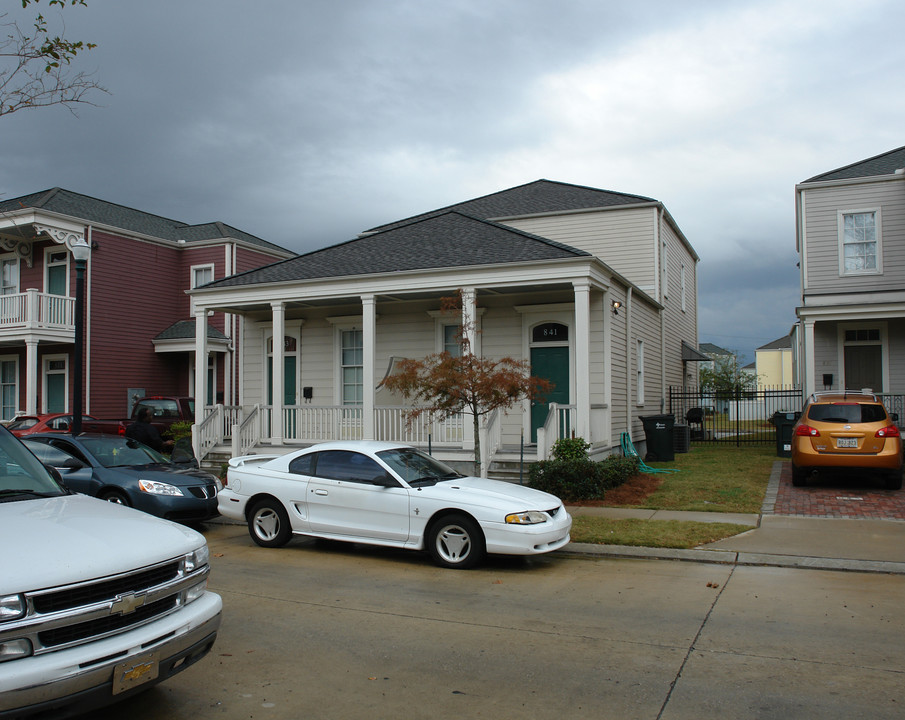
[778,540]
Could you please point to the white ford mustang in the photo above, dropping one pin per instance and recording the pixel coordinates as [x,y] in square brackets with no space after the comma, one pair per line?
[388,494]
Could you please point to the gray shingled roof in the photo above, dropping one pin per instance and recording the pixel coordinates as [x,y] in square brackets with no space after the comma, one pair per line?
[885,164]
[92,210]
[778,344]
[185,330]
[540,196]
[711,349]
[445,241]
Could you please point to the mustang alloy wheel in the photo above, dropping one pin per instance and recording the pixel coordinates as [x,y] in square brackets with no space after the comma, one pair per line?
[456,541]
[268,524]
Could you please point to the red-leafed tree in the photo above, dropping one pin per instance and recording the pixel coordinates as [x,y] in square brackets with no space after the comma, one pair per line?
[442,384]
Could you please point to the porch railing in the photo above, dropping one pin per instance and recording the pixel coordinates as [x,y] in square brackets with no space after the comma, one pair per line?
[247,433]
[559,423]
[491,438]
[36,309]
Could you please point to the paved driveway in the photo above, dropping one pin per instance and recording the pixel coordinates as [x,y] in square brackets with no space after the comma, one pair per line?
[860,497]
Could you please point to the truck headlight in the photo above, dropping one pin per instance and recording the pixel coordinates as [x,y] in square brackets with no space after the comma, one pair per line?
[531,517]
[158,488]
[197,559]
[13,649]
[11,607]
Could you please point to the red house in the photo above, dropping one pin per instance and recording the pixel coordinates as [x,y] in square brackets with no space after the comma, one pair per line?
[139,328]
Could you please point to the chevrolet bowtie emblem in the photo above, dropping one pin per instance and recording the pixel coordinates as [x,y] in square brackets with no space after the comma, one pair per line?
[125,604]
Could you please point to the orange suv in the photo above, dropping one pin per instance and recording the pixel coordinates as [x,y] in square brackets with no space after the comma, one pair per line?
[846,431]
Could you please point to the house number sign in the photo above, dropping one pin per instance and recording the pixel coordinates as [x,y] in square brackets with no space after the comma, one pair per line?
[550,332]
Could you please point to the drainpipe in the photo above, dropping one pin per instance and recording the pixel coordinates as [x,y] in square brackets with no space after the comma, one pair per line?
[628,360]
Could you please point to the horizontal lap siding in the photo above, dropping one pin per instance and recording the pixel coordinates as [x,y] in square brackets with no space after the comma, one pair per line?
[123,316]
[821,207]
[679,325]
[623,239]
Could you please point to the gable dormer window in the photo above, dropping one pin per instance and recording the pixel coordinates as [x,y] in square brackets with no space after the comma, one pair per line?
[859,242]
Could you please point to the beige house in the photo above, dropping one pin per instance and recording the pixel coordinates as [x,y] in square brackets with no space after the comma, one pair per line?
[595,289]
[773,364]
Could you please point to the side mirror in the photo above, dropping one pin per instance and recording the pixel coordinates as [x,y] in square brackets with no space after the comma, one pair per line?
[384,481]
[72,463]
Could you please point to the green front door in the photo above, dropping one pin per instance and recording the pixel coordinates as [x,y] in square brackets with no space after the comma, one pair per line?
[289,389]
[56,393]
[551,363]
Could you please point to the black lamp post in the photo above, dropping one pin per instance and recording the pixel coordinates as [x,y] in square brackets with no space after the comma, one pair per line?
[80,252]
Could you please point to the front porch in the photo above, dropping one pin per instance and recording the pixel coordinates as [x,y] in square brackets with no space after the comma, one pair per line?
[236,431]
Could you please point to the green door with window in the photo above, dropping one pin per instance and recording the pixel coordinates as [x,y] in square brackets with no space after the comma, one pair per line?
[289,391]
[550,363]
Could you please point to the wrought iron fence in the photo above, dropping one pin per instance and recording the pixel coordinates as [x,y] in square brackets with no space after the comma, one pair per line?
[740,417]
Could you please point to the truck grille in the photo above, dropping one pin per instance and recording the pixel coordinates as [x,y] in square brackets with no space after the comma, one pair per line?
[104,626]
[105,590]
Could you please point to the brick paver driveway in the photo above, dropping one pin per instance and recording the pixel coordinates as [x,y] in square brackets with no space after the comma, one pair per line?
[838,496]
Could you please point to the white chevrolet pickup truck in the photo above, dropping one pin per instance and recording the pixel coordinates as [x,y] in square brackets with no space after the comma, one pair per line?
[97,601]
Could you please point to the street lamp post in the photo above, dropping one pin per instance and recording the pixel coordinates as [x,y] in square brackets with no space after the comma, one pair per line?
[80,252]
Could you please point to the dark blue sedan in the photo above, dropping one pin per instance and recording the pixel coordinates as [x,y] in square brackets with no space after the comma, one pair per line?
[124,471]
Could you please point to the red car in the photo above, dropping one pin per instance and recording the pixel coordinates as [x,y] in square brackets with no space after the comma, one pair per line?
[53,422]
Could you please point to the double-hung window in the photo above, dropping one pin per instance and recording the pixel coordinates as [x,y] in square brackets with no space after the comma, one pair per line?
[352,359]
[859,238]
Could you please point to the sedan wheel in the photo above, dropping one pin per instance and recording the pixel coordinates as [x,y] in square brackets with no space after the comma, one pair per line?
[116,497]
[268,524]
[456,541]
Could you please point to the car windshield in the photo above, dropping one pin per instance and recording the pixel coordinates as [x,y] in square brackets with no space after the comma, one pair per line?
[847,413]
[415,467]
[116,451]
[22,476]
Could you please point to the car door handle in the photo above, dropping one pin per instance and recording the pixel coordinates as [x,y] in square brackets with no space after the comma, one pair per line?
[320,492]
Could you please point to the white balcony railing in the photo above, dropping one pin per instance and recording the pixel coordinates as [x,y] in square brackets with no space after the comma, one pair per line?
[32,309]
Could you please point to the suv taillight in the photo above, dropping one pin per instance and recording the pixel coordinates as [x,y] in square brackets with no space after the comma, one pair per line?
[889,431]
[807,431]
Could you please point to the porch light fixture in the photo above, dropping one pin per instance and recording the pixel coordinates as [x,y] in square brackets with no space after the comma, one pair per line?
[80,253]
[616,306]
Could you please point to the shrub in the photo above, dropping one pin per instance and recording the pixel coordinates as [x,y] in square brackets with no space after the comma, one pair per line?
[579,480]
[181,429]
[570,449]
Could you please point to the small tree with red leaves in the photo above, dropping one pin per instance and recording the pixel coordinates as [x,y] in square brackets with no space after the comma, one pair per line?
[442,384]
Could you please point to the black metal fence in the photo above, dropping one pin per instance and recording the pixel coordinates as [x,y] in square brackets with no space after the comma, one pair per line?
[741,417]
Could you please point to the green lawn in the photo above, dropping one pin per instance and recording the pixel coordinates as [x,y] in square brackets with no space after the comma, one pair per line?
[710,479]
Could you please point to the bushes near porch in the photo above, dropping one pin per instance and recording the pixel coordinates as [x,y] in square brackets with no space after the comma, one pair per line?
[573,477]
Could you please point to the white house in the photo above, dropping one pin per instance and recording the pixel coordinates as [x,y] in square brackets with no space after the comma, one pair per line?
[595,289]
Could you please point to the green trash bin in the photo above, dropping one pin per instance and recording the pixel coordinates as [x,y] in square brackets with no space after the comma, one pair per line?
[784,422]
[658,431]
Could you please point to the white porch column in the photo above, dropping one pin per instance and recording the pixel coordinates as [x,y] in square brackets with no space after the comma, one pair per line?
[276,410]
[31,377]
[368,365]
[810,373]
[469,333]
[582,290]
[200,374]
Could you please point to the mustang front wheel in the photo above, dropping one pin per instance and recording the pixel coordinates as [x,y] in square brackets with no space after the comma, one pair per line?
[456,541]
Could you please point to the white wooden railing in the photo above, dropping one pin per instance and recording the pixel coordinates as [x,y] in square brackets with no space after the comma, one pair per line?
[491,437]
[33,309]
[247,433]
[209,432]
[559,423]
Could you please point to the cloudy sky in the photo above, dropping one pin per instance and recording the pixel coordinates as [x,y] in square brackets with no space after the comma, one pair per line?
[307,121]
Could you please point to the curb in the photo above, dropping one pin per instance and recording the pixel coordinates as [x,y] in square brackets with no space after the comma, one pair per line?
[731,557]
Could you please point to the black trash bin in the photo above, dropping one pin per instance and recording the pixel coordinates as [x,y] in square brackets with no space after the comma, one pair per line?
[783,422]
[658,431]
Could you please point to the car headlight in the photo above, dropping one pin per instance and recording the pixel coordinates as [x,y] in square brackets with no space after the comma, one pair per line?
[197,559]
[531,517]
[159,488]
[11,607]
[16,648]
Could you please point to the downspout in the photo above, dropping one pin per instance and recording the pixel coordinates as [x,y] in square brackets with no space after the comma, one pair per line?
[665,270]
[628,360]
[87,326]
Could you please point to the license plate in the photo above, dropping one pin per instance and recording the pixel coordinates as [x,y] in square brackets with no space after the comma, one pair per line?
[135,672]
[846,442]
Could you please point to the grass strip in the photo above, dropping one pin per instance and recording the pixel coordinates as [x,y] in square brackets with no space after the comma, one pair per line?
[680,534]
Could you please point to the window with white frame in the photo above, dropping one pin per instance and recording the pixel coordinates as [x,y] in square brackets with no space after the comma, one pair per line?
[202,275]
[859,239]
[682,278]
[9,275]
[352,367]
[9,387]
[639,356]
[664,269]
[452,340]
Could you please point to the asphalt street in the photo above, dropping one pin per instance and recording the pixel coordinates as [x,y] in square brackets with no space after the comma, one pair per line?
[317,630]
